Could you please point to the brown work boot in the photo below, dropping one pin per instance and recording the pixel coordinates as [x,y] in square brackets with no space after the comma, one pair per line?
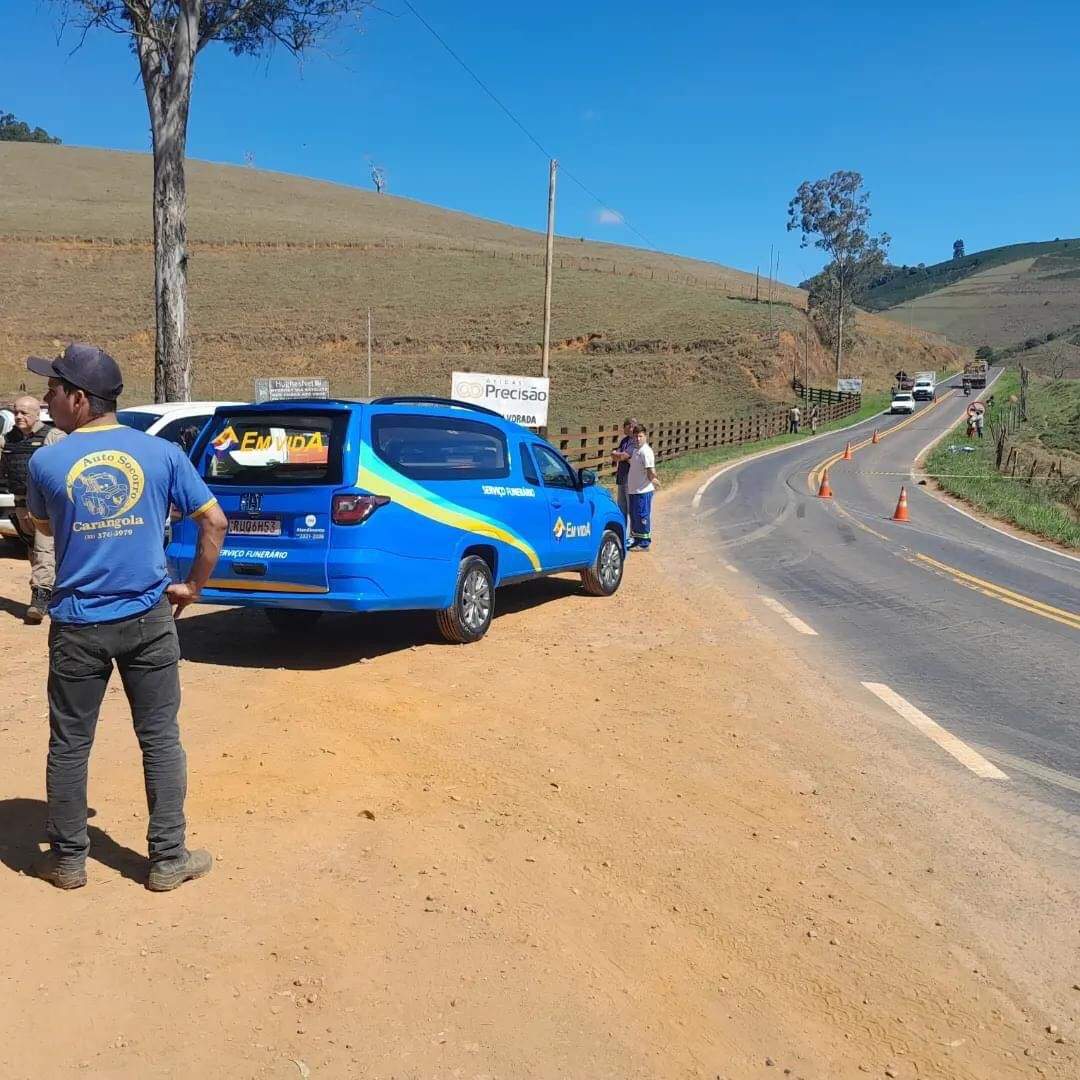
[39,605]
[63,873]
[170,874]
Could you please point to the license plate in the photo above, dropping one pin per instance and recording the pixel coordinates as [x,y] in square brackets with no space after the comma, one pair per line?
[255,526]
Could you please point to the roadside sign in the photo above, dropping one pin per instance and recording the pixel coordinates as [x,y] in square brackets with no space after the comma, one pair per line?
[517,397]
[849,386]
[291,389]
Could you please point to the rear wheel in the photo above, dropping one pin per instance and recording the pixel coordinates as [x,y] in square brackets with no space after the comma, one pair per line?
[291,620]
[605,575]
[467,619]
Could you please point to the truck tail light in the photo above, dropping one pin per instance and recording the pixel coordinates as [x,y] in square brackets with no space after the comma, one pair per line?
[354,509]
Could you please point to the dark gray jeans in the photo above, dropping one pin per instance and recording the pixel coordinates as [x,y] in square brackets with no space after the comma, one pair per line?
[147,653]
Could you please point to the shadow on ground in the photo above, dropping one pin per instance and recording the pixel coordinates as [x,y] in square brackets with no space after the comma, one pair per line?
[22,830]
[242,637]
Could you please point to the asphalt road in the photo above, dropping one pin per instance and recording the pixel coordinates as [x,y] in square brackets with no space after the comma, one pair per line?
[978,630]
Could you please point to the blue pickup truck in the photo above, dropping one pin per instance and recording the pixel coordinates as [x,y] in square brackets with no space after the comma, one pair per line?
[400,503]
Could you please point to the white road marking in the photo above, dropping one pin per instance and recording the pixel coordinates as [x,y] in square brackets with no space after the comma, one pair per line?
[947,741]
[773,450]
[1040,772]
[792,620]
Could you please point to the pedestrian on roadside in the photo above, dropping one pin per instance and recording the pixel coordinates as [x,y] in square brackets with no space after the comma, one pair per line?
[105,494]
[621,457]
[979,419]
[641,482]
[813,419]
[29,434]
[794,419]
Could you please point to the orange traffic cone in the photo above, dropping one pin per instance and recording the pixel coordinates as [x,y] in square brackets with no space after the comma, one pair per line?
[875,440]
[847,452]
[825,492]
[901,513]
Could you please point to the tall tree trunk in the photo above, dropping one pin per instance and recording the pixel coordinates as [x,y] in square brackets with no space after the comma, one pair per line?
[167,65]
[840,327]
[172,358]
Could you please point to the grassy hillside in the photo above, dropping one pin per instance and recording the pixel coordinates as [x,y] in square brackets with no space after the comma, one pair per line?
[901,284]
[283,269]
[1022,300]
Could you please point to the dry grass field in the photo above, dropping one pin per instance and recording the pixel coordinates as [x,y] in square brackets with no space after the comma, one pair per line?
[283,269]
[1007,305]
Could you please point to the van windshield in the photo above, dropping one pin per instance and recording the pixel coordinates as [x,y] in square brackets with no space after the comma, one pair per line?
[274,448]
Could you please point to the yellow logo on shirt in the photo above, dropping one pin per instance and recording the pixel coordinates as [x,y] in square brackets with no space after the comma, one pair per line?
[105,485]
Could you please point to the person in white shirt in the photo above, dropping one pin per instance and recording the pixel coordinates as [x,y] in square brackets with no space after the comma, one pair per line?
[641,482]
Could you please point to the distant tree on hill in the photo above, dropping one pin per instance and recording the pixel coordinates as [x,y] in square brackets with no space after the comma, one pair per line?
[958,249]
[378,177]
[12,129]
[984,352]
[836,211]
[167,37]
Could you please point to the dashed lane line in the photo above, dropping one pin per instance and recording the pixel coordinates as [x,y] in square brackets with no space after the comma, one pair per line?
[1033,769]
[792,620]
[948,742]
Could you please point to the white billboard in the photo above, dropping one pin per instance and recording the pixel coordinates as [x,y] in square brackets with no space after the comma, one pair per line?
[849,386]
[517,397]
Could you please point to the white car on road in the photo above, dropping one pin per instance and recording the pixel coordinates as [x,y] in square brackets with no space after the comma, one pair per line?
[902,402]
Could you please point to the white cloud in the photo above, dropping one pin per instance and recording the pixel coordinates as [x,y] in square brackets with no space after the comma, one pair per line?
[609,217]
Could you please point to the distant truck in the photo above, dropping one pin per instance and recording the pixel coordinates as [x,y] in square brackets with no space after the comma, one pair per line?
[925,387]
[975,372]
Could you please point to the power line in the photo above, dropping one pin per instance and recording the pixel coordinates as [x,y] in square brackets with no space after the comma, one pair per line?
[517,123]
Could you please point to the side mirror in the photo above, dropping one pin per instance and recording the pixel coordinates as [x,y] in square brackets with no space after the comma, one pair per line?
[587,477]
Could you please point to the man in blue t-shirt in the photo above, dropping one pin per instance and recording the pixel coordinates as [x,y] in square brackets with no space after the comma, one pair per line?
[104,493]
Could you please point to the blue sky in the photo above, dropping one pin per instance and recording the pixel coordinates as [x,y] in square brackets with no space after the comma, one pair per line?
[696,122]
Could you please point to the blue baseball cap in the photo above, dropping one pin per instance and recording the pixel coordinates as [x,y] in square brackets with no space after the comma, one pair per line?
[86,366]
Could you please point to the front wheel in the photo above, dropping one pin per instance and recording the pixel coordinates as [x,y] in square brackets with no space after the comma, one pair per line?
[467,619]
[605,575]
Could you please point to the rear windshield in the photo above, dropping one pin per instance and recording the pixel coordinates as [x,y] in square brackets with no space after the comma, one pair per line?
[274,448]
[440,448]
[138,420]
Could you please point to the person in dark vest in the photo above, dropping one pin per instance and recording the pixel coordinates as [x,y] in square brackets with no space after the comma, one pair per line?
[28,435]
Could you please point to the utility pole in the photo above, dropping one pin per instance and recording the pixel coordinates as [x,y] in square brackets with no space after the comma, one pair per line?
[369,352]
[806,354]
[770,286]
[553,169]
[757,284]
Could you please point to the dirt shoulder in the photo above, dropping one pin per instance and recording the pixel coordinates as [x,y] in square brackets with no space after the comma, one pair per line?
[617,838]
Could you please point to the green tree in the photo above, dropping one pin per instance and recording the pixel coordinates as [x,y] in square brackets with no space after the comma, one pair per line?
[958,249]
[166,37]
[834,214]
[12,129]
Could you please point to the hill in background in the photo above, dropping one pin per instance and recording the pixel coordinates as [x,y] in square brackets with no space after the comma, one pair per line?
[283,269]
[1022,300]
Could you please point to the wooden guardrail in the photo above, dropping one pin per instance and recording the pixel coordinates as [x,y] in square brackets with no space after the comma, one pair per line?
[590,446]
[815,395]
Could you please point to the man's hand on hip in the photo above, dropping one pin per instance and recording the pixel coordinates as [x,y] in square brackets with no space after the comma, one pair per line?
[180,596]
